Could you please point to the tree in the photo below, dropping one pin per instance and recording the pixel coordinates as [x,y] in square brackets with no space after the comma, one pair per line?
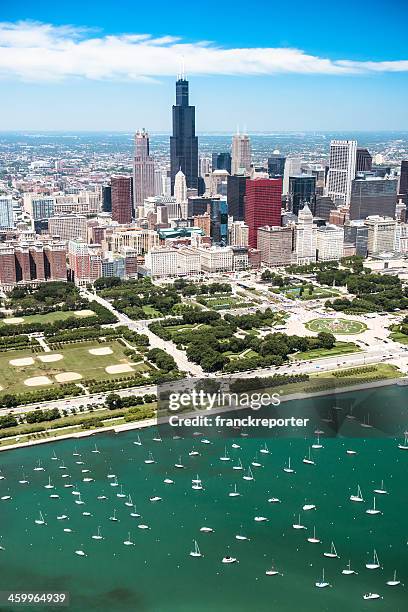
[113,401]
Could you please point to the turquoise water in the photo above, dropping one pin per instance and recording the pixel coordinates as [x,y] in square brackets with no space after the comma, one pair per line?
[157,573]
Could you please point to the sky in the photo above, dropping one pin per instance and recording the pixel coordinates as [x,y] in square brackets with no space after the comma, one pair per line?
[266,66]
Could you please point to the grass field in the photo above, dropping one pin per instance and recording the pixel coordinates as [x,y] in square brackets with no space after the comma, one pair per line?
[336,326]
[397,336]
[151,312]
[50,317]
[227,301]
[76,358]
[294,292]
[341,348]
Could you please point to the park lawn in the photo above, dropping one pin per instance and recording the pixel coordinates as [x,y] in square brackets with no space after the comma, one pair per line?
[338,326]
[49,317]
[245,354]
[76,359]
[397,336]
[151,312]
[292,292]
[340,348]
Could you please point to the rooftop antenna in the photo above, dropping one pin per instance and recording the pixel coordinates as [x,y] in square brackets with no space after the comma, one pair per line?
[183,69]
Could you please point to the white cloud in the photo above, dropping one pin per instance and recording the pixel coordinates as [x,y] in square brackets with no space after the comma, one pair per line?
[38,51]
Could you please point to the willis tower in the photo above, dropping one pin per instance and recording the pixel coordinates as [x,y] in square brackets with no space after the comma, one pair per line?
[184,142]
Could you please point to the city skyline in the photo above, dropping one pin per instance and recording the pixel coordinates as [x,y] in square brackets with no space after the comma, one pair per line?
[70,70]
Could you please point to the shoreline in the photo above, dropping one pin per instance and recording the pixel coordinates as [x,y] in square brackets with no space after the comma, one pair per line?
[116,429]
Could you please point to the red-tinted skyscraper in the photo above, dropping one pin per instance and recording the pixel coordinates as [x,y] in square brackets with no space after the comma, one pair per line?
[262,206]
[121,195]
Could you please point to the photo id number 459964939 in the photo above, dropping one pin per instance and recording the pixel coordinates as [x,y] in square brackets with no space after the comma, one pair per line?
[32,598]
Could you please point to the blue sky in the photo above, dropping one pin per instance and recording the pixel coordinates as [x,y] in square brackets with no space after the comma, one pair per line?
[268,66]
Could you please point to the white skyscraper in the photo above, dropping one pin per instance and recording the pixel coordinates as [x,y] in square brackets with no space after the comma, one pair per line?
[180,193]
[6,211]
[241,154]
[305,237]
[342,169]
[293,167]
[330,243]
[143,170]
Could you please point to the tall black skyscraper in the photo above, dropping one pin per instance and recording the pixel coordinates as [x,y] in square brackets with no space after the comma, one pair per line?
[184,142]
[221,161]
[236,189]
[276,165]
[302,189]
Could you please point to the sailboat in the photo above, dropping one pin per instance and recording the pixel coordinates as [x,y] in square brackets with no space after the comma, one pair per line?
[121,493]
[138,441]
[373,510]
[261,519]
[229,559]
[234,493]
[150,458]
[274,500]
[394,581]
[307,507]
[314,540]
[273,572]
[179,464]
[371,596]
[134,513]
[239,466]
[62,517]
[404,445]
[54,456]
[129,501]
[249,475]
[333,552]
[110,475]
[264,450]
[62,466]
[358,497]
[128,542]
[205,441]
[255,462]
[347,571]
[41,520]
[23,480]
[196,484]
[288,468]
[98,535]
[193,453]
[155,498]
[196,552]
[168,480]
[366,422]
[49,485]
[381,490]
[100,497]
[225,456]
[206,529]
[375,563]
[309,459]
[1,476]
[80,553]
[113,517]
[321,584]
[349,451]
[95,450]
[239,536]
[317,444]
[75,453]
[235,445]
[39,467]
[79,500]
[298,525]
[114,483]
[157,438]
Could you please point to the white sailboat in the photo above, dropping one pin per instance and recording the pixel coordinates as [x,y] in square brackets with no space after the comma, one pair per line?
[239,465]
[205,441]
[98,535]
[79,501]
[80,553]
[129,501]
[239,536]
[394,581]
[39,467]
[309,459]
[62,466]
[249,475]
[381,490]
[54,456]
[41,520]
[62,517]
[168,480]
[313,539]
[75,453]
[404,445]
[193,453]
[179,464]
[113,517]
[225,456]
[371,596]
[255,462]
[321,584]
[273,572]
[196,484]
[317,444]
[235,445]
[373,510]
[5,497]
[234,493]
[229,559]
[138,441]
[155,498]
[95,450]
[24,479]
[351,452]
[358,497]
[150,458]
[142,526]
[264,450]
[100,497]
[298,525]
[196,552]
[1,476]
[261,519]
[288,468]
[115,482]
[347,571]
[110,475]
[128,542]
[333,552]
[134,512]
[375,563]
[206,529]
[121,493]
[274,500]
[307,507]
[49,485]
[366,422]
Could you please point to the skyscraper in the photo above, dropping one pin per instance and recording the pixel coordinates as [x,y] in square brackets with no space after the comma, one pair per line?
[342,169]
[6,211]
[219,221]
[403,185]
[183,142]
[121,192]
[221,161]
[236,187]
[180,193]
[293,167]
[302,189]
[372,195]
[263,205]
[364,161]
[143,170]
[276,165]
[305,237]
[241,154]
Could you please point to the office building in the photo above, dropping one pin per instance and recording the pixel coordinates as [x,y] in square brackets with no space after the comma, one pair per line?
[39,206]
[6,212]
[356,233]
[180,193]
[323,207]
[166,261]
[241,154]
[381,234]
[403,183]
[302,190]
[293,167]
[221,161]
[263,206]
[342,170]
[219,221]
[305,237]
[203,222]
[68,227]
[31,262]
[236,189]
[121,190]
[372,195]
[106,198]
[275,245]
[238,234]
[143,170]
[276,165]
[364,161]
[205,166]
[184,142]
[330,243]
